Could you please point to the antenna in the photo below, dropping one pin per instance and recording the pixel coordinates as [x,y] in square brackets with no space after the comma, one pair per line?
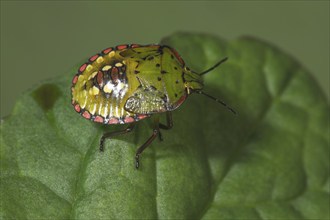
[213,67]
[217,100]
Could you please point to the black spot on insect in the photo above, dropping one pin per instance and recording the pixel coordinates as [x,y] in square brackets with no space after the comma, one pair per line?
[157,65]
[165,98]
[136,71]
[122,77]
[187,68]
[175,68]
[176,81]
[123,68]
[146,57]
[151,58]
[172,56]
[163,72]
[138,52]
[159,78]
[176,95]
[106,76]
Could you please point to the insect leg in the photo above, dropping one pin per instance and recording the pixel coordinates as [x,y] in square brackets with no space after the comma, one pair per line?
[169,122]
[168,126]
[145,145]
[114,133]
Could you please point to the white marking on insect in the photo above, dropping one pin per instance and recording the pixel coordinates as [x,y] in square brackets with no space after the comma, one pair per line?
[117,107]
[93,110]
[110,113]
[106,67]
[99,109]
[122,111]
[92,75]
[105,110]
[85,102]
[108,88]
[118,64]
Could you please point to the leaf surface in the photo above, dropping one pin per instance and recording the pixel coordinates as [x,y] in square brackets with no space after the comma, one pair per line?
[269,162]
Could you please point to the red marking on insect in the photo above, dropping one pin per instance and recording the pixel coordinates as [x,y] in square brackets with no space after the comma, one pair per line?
[177,56]
[99,119]
[113,121]
[120,47]
[140,117]
[135,45]
[77,108]
[86,115]
[114,70]
[83,67]
[75,79]
[94,57]
[129,120]
[181,100]
[114,74]
[106,51]
[99,79]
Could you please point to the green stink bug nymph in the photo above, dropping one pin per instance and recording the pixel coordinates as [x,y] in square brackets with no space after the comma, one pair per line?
[128,83]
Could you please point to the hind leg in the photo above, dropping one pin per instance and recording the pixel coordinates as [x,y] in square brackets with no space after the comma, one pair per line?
[111,134]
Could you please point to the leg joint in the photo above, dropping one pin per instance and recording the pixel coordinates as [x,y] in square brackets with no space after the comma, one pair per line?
[155,131]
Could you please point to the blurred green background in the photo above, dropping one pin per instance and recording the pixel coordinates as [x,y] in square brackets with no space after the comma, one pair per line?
[44,39]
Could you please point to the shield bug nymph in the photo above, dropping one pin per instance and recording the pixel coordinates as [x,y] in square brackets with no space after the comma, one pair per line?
[128,83]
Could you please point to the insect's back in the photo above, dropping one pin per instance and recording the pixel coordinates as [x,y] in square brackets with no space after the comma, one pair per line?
[128,83]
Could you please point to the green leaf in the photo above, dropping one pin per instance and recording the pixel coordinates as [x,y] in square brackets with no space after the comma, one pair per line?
[269,162]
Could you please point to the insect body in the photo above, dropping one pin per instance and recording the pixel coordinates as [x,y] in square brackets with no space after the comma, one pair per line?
[128,83]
